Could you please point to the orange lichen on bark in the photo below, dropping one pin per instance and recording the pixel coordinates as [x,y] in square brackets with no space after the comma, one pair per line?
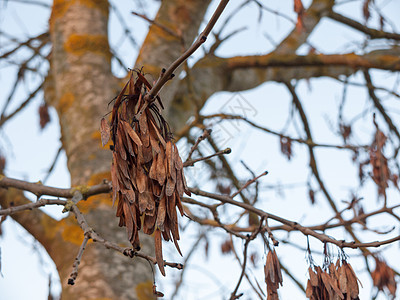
[68,228]
[65,102]
[99,177]
[70,231]
[79,44]
[94,201]
[144,291]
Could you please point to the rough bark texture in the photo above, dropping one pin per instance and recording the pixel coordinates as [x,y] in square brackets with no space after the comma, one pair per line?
[80,85]
[83,85]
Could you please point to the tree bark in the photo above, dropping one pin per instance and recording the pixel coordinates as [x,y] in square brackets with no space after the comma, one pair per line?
[82,87]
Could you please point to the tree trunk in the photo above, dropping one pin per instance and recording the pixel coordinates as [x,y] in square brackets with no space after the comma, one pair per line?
[82,86]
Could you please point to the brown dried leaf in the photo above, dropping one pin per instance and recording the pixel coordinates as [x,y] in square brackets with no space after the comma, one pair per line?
[143,200]
[144,130]
[161,171]
[159,255]
[160,138]
[352,286]
[170,187]
[44,116]
[309,289]
[277,267]
[149,223]
[133,135]
[141,180]
[179,184]
[154,140]
[226,247]
[286,147]
[177,159]
[130,226]
[161,213]
[269,268]
[153,168]
[119,147]
[342,279]
[147,154]
[129,195]
[313,277]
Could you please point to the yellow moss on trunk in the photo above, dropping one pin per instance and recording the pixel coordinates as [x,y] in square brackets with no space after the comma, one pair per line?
[65,102]
[144,291]
[79,44]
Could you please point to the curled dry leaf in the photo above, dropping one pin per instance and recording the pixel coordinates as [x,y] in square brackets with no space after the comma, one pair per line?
[384,277]
[380,169]
[147,171]
[286,147]
[44,116]
[273,275]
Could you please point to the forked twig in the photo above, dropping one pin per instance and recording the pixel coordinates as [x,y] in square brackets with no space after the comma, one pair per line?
[206,133]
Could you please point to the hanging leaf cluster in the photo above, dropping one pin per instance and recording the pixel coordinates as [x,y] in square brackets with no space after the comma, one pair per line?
[147,171]
[384,277]
[273,275]
[336,281]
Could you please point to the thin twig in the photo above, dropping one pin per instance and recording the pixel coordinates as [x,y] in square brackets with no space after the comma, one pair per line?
[192,162]
[41,202]
[248,183]
[233,295]
[270,235]
[206,133]
[74,274]
[199,41]
[50,170]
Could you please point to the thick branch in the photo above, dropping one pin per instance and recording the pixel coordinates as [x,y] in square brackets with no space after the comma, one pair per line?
[39,189]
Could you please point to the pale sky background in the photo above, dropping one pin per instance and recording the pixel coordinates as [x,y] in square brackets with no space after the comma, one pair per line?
[26,268]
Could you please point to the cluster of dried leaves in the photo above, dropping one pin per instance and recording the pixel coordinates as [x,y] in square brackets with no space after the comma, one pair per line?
[381,173]
[273,275]
[147,171]
[384,276]
[336,281]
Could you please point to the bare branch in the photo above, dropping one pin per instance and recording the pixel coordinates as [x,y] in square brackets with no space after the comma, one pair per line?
[39,189]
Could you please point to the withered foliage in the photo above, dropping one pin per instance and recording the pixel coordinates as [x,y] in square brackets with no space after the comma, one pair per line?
[273,275]
[345,131]
[379,163]
[226,247]
[44,117]
[337,281]
[286,147]
[147,171]
[384,277]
